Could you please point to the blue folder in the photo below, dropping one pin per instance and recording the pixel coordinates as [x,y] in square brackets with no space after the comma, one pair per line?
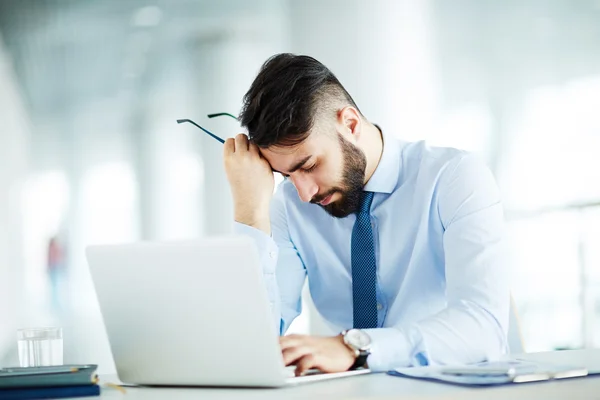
[58,392]
[491,373]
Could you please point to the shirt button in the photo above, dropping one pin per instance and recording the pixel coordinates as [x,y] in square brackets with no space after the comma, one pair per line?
[272,254]
[379,307]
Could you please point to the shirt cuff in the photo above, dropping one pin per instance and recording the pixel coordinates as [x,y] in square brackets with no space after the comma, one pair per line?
[391,348]
[267,248]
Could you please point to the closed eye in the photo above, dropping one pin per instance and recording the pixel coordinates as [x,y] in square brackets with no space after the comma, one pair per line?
[310,169]
[306,170]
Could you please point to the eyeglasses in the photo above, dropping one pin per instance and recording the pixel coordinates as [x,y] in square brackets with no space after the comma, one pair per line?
[180,121]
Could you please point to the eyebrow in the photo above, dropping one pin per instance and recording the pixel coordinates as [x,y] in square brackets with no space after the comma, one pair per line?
[299,164]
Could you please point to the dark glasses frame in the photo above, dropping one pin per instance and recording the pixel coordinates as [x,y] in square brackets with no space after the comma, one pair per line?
[181,121]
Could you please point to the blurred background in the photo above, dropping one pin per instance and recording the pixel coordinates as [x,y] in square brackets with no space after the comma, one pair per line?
[90,151]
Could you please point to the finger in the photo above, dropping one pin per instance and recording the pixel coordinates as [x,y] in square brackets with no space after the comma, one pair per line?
[229,146]
[305,363]
[241,142]
[293,354]
[291,341]
[253,149]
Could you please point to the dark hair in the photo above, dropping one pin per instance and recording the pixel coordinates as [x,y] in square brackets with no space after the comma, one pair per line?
[282,102]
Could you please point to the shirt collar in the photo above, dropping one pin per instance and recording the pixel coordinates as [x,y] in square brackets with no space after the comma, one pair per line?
[385,177]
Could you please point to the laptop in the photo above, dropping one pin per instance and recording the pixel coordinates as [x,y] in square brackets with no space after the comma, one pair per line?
[191,313]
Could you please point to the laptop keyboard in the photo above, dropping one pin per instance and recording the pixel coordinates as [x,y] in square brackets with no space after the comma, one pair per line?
[289,372]
[314,375]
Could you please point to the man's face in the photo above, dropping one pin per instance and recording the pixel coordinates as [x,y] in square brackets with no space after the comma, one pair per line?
[326,169]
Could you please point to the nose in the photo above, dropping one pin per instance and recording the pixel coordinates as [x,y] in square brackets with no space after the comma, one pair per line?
[305,186]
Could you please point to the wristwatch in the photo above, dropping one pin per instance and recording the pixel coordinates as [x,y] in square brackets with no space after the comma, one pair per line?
[359,342]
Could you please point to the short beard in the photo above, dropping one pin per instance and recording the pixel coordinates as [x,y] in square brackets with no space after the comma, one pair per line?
[353,180]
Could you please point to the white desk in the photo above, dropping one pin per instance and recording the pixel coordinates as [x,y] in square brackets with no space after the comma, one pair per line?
[379,386]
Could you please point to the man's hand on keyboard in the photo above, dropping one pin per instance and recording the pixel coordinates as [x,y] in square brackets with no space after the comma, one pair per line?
[328,354]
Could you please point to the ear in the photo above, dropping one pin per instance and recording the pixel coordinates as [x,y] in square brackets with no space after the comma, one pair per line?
[349,123]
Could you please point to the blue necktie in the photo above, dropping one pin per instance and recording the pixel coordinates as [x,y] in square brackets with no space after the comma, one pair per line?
[364,267]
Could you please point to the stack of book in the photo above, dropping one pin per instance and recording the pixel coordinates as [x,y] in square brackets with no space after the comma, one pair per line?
[49,382]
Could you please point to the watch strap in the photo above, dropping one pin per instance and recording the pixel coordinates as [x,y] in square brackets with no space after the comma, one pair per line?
[361,360]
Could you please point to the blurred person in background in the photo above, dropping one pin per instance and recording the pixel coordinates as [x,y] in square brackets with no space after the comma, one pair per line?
[56,268]
[402,243]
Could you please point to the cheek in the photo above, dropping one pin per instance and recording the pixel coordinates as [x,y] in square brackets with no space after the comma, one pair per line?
[325,179]
[332,171]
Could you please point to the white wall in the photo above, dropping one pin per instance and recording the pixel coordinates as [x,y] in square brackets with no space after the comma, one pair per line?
[13,155]
[381,51]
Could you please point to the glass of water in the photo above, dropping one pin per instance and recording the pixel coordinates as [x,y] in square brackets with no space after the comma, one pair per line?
[40,347]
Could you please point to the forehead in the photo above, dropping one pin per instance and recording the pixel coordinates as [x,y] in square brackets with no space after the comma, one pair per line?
[282,157]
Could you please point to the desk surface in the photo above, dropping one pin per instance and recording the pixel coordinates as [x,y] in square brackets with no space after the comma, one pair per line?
[384,386]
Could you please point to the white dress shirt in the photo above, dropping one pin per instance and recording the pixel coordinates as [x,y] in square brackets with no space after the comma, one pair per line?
[442,275]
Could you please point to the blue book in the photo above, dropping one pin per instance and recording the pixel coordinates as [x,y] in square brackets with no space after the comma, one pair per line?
[58,392]
[51,376]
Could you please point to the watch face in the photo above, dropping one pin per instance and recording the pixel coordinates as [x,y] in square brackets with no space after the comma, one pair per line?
[358,339]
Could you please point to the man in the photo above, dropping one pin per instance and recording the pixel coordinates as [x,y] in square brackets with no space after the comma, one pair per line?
[402,241]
